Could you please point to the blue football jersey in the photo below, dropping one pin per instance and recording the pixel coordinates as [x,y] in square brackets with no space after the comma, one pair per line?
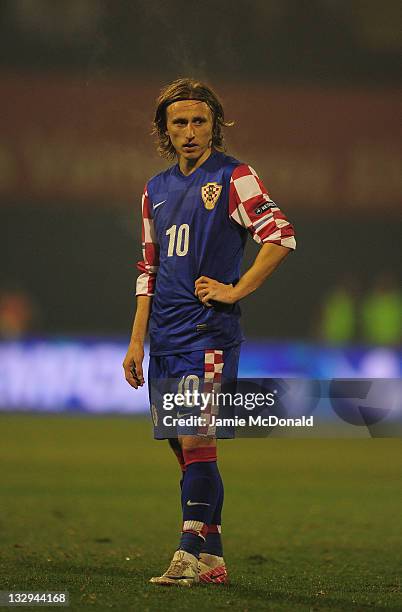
[194,226]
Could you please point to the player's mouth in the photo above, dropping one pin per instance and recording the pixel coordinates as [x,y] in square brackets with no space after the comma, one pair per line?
[190,147]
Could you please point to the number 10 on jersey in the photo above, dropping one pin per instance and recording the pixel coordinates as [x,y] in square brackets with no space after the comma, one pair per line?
[178,240]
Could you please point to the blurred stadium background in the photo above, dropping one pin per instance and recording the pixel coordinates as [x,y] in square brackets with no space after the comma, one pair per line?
[315,93]
[314,89]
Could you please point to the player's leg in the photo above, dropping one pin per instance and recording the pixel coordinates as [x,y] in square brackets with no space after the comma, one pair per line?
[202,484]
[211,566]
[185,368]
[202,490]
[159,378]
[183,568]
[176,448]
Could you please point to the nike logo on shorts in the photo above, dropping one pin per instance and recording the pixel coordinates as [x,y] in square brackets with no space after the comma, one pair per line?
[190,503]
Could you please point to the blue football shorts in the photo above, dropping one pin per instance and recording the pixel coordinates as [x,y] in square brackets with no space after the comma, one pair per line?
[183,393]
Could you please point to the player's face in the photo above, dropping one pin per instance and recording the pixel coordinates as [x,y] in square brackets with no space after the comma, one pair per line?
[189,126]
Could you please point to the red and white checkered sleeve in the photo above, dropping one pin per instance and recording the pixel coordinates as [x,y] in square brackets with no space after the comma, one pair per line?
[251,207]
[150,251]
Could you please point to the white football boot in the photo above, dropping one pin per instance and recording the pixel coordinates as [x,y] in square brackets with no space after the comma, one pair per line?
[212,569]
[182,571]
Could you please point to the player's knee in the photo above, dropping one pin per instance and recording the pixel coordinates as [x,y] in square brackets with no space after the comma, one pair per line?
[191,442]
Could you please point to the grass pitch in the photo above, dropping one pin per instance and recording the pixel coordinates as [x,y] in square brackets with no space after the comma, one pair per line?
[91,505]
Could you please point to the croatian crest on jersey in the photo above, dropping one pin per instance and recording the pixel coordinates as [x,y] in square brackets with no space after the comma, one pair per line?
[210,194]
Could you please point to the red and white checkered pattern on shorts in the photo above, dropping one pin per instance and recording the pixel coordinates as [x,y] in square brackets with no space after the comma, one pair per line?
[213,368]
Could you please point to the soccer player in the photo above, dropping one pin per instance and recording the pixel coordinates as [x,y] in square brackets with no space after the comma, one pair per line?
[195,220]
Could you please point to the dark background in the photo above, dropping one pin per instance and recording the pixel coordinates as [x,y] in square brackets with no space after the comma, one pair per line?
[303,80]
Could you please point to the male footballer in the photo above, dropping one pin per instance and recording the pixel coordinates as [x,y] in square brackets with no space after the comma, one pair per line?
[196,216]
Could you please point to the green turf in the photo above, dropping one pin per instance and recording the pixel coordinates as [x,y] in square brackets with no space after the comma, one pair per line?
[91,505]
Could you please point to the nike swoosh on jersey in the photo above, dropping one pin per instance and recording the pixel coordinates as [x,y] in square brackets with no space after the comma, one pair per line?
[190,503]
[159,204]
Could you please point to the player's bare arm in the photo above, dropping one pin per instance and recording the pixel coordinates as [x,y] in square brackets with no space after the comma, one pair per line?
[132,363]
[266,262]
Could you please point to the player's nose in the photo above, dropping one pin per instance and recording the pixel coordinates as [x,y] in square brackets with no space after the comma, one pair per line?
[190,131]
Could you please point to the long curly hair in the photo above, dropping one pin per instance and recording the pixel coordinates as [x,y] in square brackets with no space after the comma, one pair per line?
[187,89]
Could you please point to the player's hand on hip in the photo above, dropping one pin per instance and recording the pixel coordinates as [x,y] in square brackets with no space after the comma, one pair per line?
[207,289]
[132,364]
